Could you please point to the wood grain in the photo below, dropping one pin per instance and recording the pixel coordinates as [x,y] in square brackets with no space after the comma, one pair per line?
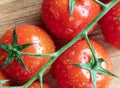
[5,1]
[28,11]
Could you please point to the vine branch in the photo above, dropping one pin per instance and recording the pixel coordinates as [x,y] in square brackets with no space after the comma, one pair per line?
[54,56]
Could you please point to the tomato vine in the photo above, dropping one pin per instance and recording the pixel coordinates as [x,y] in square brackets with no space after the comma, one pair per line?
[118,19]
[84,34]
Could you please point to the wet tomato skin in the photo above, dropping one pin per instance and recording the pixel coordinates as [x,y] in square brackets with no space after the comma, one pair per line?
[56,16]
[42,43]
[4,77]
[110,26]
[37,85]
[70,76]
[105,1]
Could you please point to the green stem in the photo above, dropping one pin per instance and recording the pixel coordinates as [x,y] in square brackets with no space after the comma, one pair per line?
[71,6]
[91,48]
[79,36]
[89,27]
[100,3]
[40,78]
[55,55]
[32,54]
[118,19]
[42,71]
[89,44]
[104,11]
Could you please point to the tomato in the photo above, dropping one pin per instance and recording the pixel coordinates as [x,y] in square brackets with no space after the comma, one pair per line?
[42,44]
[4,77]
[37,85]
[111,26]
[56,16]
[71,76]
[105,1]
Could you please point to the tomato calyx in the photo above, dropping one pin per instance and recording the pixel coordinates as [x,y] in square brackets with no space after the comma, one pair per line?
[118,19]
[14,51]
[3,81]
[71,6]
[94,66]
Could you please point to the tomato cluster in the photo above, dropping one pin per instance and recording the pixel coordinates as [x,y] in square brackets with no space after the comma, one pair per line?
[78,66]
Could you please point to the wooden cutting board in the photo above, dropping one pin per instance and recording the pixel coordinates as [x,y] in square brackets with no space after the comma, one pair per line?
[28,11]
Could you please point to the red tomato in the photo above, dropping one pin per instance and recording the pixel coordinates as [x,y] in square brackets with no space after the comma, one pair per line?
[37,85]
[4,77]
[105,1]
[56,16]
[71,76]
[111,26]
[42,44]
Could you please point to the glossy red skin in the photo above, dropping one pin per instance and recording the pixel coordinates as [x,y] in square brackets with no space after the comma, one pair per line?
[37,85]
[105,1]
[42,44]
[4,77]
[70,76]
[111,27]
[56,16]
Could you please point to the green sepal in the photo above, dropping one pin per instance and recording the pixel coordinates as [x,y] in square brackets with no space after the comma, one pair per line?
[71,6]
[5,47]
[21,62]
[41,80]
[89,68]
[100,60]
[15,42]
[14,51]
[118,19]
[93,75]
[93,62]
[3,81]
[85,66]
[21,47]
[8,60]
[104,71]
[15,39]
[94,68]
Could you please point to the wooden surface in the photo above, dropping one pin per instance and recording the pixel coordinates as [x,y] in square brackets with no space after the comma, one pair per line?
[28,11]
